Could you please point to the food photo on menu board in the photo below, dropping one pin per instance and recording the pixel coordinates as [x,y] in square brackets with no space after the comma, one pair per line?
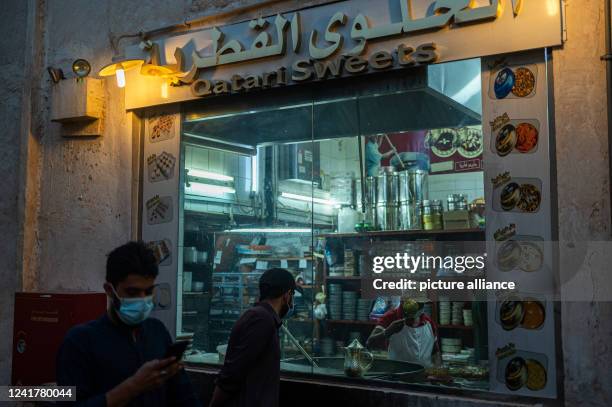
[514,136]
[524,311]
[516,82]
[161,127]
[161,166]
[159,210]
[441,151]
[516,194]
[518,252]
[520,369]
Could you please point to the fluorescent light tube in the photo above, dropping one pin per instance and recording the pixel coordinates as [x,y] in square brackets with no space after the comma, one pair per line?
[209,175]
[305,198]
[254,173]
[270,230]
[207,189]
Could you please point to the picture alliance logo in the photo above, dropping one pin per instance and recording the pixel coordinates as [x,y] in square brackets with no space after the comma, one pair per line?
[412,264]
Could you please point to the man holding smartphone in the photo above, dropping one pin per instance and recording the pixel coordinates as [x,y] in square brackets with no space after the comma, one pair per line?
[250,376]
[120,359]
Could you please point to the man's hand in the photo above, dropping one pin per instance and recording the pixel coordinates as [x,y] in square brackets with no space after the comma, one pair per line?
[154,373]
[150,375]
[394,327]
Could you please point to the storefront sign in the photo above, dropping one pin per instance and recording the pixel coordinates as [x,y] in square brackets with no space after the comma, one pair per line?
[339,39]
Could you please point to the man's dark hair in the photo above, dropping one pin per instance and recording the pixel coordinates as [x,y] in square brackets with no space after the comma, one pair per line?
[131,258]
[274,283]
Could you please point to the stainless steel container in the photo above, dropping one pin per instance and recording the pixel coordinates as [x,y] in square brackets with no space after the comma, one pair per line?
[388,186]
[410,215]
[414,185]
[387,215]
[370,191]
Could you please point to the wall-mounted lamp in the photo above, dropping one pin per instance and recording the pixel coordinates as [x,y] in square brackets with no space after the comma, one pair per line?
[118,67]
[81,68]
[56,74]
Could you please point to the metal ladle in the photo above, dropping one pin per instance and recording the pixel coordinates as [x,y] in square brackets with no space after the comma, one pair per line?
[297,344]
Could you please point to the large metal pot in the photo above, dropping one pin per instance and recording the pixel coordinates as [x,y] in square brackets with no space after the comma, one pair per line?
[387,215]
[388,186]
[413,185]
[410,215]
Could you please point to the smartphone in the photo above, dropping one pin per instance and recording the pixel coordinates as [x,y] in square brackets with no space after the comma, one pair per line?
[177,349]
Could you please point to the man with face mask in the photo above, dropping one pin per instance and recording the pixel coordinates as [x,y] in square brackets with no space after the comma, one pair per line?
[250,376]
[410,334]
[119,359]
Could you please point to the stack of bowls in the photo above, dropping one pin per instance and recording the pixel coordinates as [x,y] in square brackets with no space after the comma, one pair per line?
[457,313]
[335,301]
[340,347]
[364,306]
[467,317]
[451,345]
[327,347]
[349,305]
[444,312]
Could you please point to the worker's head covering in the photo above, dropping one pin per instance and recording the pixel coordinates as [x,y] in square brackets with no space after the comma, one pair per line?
[275,282]
[410,306]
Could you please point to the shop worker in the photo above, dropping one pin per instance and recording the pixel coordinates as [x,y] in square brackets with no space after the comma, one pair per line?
[409,333]
[250,376]
[373,155]
[118,359]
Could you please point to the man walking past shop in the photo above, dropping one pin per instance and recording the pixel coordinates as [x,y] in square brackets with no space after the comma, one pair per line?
[250,376]
[119,360]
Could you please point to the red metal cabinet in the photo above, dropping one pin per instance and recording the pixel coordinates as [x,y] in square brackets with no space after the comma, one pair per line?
[41,322]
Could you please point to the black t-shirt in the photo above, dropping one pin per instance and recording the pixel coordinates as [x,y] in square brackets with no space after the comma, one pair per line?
[97,356]
[251,373]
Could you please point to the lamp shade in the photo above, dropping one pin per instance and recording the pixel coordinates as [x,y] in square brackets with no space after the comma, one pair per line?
[155,70]
[119,63]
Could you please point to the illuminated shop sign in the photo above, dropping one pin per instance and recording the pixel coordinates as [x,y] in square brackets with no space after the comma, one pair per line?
[342,39]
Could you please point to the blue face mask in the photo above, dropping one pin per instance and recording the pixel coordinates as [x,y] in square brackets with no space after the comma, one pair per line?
[133,311]
[290,310]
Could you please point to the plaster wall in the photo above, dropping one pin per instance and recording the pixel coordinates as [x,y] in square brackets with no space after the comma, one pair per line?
[584,204]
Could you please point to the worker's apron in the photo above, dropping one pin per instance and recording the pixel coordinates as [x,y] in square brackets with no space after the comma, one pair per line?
[413,344]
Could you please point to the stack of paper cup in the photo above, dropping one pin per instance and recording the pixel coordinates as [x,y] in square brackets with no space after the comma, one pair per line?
[444,311]
[457,313]
[467,317]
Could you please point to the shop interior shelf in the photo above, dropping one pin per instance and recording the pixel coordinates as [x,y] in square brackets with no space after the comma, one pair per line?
[463,327]
[405,233]
[344,321]
[343,277]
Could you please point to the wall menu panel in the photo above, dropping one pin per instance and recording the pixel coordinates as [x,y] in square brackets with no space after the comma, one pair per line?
[518,194]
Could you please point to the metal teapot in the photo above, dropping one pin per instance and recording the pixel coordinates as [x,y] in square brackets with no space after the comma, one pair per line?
[353,359]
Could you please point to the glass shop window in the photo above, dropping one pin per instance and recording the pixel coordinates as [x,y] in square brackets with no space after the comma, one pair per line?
[318,182]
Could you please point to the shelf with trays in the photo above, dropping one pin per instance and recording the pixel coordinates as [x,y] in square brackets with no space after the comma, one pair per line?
[351,322]
[461,327]
[415,233]
[345,278]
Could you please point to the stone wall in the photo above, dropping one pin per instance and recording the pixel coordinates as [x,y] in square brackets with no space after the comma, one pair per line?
[584,204]
[14,116]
